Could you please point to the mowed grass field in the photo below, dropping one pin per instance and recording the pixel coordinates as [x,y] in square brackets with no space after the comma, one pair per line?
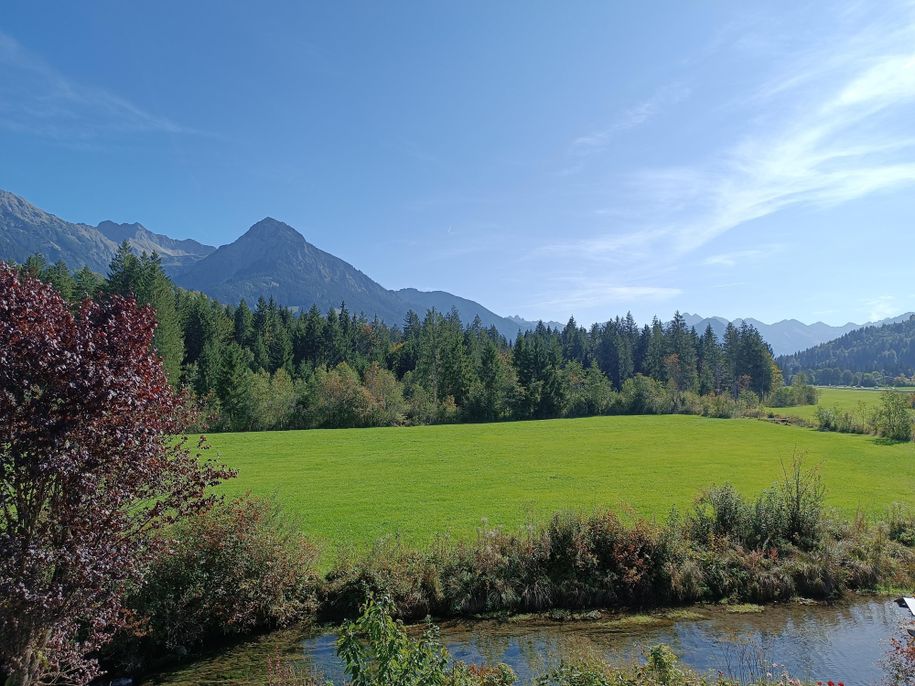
[350,487]
[845,399]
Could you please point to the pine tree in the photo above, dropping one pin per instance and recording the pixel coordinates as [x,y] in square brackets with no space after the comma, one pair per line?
[232,388]
[244,324]
[143,278]
[709,363]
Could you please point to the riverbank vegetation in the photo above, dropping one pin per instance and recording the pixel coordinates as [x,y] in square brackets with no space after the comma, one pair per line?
[780,545]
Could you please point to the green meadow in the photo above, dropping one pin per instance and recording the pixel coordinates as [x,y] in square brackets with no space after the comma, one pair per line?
[350,487]
[844,399]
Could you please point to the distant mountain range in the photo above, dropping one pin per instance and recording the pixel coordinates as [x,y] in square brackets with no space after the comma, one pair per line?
[272,259]
[789,335]
[26,230]
[887,350]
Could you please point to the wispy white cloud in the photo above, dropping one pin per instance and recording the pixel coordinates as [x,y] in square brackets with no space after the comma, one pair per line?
[594,142]
[634,116]
[37,99]
[835,128]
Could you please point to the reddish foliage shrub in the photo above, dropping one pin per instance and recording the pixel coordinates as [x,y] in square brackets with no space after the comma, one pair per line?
[88,471]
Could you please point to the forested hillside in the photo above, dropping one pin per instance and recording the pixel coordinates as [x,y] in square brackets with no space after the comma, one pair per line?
[872,356]
[268,367]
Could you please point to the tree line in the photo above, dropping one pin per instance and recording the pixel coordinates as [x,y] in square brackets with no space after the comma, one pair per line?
[271,367]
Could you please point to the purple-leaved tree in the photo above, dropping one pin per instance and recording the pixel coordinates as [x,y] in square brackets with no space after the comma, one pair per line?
[89,469]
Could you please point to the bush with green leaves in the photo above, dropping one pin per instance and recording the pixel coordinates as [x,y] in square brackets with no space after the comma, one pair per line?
[842,421]
[790,512]
[644,395]
[892,419]
[798,393]
[377,651]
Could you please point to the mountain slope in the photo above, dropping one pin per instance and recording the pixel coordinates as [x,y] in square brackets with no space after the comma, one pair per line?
[888,350]
[26,230]
[789,335]
[271,259]
[175,253]
[422,301]
[274,260]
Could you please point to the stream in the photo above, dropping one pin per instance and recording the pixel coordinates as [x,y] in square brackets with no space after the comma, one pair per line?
[843,642]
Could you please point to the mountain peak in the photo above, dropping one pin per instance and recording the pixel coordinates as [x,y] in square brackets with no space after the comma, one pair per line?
[270,228]
[120,232]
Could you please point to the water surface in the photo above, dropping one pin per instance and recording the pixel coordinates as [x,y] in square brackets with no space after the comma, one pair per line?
[844,642]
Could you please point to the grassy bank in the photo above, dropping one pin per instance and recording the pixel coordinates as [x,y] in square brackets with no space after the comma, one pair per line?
[778,546]
[354,486]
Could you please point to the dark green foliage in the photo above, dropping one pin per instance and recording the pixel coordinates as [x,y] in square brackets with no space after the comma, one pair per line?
[798,393]
[142,277]
[790,513]
[892,419]
[271,368]
[843,421]
[775,547]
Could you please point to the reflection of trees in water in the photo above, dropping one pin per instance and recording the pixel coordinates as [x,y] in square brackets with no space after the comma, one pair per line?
[814,641]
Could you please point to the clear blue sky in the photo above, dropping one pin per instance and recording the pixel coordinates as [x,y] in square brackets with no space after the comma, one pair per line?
[542,158]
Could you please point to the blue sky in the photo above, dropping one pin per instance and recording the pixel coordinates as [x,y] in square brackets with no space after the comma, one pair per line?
[543,158]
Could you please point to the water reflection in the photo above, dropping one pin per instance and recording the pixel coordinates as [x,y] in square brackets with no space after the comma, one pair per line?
[846,642]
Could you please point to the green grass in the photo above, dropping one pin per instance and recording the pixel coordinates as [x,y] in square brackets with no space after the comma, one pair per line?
[845,399]
[353,486]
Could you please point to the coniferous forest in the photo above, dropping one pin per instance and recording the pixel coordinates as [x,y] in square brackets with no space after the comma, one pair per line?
[263,366]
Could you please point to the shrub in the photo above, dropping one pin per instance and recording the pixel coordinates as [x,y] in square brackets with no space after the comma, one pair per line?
[340,399]
[89,469]
[409,578]
[901,525]
[720,406]
[892,419]
[843,421]
[644,395]
[801,494]
[720,512]
[229,571]
[798,393]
